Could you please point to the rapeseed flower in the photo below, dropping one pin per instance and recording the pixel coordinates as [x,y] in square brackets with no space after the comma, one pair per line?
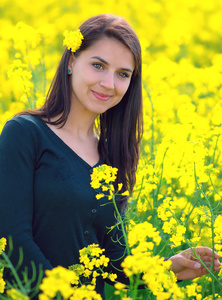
[218,234]
[85,292]
[103,175]
[16,295]
[182,75]
[90,262]
[139,234]
[2,282]
[72,40]
[58,280]
[2,245]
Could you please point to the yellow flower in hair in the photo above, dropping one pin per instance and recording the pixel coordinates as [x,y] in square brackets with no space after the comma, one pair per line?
[73,39]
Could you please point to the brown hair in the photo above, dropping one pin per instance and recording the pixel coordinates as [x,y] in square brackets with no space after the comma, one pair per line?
[120,127]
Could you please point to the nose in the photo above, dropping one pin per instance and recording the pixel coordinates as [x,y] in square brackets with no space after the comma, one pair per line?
[107,80]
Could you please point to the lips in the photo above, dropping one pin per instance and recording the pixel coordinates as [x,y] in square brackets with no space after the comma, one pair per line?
[101,96]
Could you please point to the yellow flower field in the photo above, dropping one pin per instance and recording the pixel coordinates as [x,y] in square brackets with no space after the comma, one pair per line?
[177,197]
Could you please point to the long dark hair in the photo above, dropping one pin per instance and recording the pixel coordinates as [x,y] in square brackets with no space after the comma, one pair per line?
[120,128]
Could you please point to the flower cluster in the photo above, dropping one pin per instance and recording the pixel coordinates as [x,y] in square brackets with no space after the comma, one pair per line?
[73,40]
[92,262]
[67,282]
[103,174]
[143,237]
[57,280]
[2,248]
[156,275]
[182,75]
[167,213]
[2,282]
[218,234]
[16,295]
[103,177]
[86,292]
[2,244]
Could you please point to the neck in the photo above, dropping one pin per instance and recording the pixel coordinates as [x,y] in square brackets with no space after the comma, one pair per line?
[80,124]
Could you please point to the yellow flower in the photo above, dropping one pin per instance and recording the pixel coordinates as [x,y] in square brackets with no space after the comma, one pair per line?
[73,40]
[192,289]
[99,196]
[140,233]
[2,282]
[2,245]
[112,277]
[104,260]
[105,275]
[103,174]
[60,280]
[126,193]
[119,286]
[91,257]
[120,185]
[86,292]
[16,295]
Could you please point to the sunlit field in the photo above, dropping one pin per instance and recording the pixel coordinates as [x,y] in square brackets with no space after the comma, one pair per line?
[176,202]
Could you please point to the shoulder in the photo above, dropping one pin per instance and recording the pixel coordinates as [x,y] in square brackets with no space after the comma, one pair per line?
[25,120]
[22,128]
[26,123]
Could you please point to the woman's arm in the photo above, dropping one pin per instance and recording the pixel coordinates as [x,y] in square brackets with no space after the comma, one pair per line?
[17,166]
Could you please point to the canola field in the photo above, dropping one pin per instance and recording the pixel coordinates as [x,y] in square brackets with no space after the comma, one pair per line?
[176,202]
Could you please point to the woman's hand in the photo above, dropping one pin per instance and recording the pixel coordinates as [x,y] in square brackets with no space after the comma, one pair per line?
[185,265]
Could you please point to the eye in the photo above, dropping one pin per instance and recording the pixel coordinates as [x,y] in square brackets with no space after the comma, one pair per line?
[98,66]
[123,74]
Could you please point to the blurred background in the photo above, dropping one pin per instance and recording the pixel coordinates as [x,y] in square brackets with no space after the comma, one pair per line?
[182,93]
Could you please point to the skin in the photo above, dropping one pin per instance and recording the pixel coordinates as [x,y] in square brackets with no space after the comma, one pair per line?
[186,266]
[103,76]
[100,76]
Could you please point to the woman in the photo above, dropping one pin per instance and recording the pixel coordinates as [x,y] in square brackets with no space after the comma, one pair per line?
[47,155]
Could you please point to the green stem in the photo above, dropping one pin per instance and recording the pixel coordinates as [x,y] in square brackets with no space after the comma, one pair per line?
[212,225]
[58,296]
[122,226]
[152,139]
[201,261]
[11,267]
[215,148]
[161,175]
[120,219]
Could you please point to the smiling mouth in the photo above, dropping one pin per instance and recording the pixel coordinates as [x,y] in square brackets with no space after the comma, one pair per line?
[102,97]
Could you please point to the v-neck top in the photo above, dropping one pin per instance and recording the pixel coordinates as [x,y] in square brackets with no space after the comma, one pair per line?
[46,202]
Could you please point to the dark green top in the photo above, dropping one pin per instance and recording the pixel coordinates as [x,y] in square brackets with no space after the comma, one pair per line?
[46,202]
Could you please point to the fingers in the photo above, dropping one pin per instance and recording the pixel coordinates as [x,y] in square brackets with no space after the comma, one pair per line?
[205,254]
[201,252]
[198,268]
[189,263]
[208,261]
[206,251]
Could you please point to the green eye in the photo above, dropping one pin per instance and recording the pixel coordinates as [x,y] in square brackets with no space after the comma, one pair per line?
[98,66]
[123,75]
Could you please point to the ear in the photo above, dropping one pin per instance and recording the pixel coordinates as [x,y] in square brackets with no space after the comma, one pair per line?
[71,62]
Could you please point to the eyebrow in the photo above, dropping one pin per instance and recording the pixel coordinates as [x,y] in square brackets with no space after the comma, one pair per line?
[106,63]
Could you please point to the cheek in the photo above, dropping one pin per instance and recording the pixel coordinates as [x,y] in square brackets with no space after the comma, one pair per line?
[123,88]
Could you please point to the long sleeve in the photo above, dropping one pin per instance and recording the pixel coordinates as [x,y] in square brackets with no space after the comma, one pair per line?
[17,165]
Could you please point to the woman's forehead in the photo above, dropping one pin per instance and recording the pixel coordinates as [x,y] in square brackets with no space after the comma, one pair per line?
[111,49]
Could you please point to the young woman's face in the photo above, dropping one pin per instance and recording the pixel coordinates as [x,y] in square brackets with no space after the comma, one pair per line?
[101,75]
